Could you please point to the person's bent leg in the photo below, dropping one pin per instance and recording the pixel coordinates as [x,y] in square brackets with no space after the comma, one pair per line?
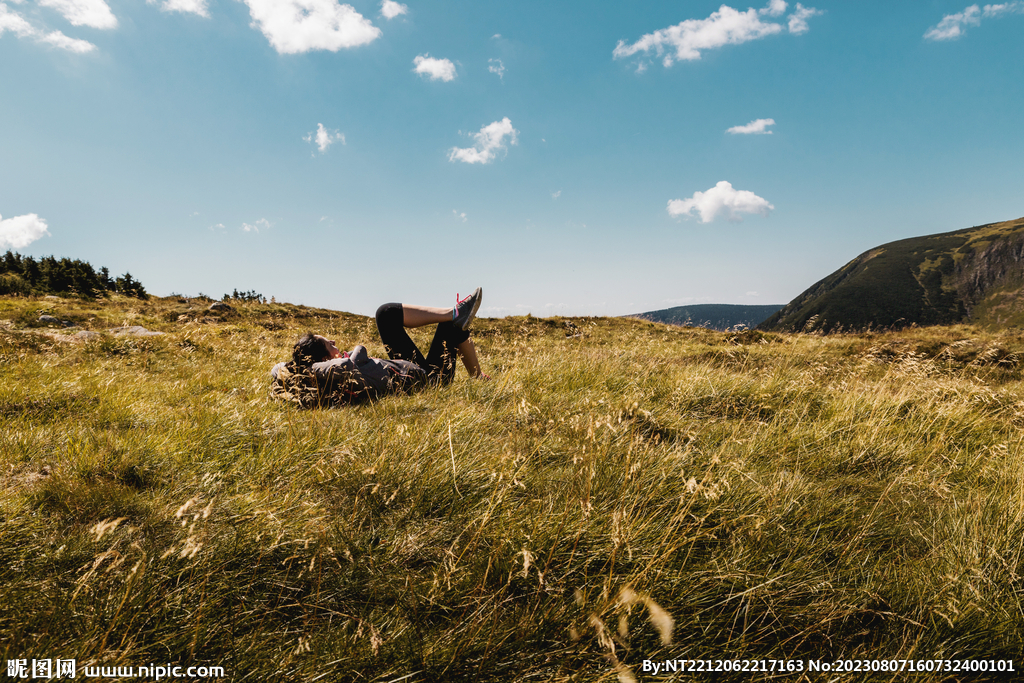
[443,350]
[397,342]
[462,315]
[418,316]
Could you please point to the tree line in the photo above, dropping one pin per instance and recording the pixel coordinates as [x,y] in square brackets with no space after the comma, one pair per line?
[65,277]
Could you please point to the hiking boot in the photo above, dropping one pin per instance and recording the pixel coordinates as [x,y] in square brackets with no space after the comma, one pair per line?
[465,309]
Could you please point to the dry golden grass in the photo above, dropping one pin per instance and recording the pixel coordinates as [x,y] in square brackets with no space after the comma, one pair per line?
[620,491]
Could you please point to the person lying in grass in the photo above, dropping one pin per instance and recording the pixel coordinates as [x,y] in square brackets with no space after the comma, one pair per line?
[320,375]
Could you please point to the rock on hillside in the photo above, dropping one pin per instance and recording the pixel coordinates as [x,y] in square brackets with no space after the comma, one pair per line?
[971,275]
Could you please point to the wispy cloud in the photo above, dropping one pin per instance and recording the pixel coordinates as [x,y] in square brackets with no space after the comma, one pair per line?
[1016,7]
[21,231]
[756,127]
[953,26]
[91,13]
[261,224]
[19,26]
[495,66]
[488,142]
[391,9]
[324,138]
[197,7]
[296,26]
[726,26]
[798,19]
[435,69]
[459,216]
[556,195]
[721,199]
[58,39]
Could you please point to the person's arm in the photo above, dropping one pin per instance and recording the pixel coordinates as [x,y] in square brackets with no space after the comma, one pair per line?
[358,354]
[339,381]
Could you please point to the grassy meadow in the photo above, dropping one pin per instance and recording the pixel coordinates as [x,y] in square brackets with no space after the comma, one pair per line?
[619,491]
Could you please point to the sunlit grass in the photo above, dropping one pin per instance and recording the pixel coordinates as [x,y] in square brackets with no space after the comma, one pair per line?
[620,490]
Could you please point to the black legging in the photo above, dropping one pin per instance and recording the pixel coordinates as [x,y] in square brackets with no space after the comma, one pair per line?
[440,361]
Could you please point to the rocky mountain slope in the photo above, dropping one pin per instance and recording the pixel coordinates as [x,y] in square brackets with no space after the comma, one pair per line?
[971,275]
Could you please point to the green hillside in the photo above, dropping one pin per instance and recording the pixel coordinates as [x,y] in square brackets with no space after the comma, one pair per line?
[711,316]
[971,275]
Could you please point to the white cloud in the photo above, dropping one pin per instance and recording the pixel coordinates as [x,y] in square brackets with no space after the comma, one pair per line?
[295,26]
[459,216]
[798,19]
[489,141]
[21,231]
[217,226]
[391,9]
[496,36]
[261,224]
[324,137]
[953,25]
[58,39]
[1004,8]
[556,195]
[436,69]
[720,199]
[16,24]
[198,7]
[757,127]
[92,13]
[727,26]
[753,294]
[495,66]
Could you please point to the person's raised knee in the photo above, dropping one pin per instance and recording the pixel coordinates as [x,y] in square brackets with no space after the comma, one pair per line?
[389,313]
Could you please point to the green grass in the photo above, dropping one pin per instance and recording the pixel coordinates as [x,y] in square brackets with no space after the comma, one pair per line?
[777,496]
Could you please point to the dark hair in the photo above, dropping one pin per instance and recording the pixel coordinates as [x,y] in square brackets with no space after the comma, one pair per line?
[309,350]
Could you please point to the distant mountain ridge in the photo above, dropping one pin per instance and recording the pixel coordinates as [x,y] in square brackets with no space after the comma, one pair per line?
[712,316]
[969,275]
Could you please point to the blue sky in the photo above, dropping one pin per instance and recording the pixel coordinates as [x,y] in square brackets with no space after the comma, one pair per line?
[572,158]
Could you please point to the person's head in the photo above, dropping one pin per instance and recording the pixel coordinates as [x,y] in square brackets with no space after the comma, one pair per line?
[313,348]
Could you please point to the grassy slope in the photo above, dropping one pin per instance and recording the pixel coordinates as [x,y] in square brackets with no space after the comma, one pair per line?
[903,282]
[776,495]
